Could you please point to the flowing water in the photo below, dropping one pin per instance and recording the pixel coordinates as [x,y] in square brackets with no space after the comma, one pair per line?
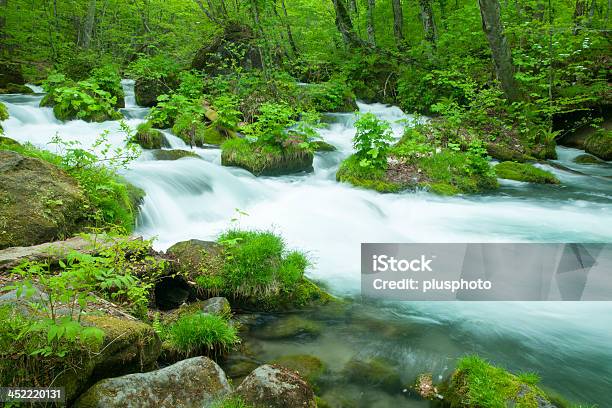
[569,344]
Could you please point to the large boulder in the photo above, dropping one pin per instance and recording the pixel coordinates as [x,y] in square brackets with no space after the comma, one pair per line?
[236,46]
[146,90]
[128,346]
[264,160]
[600,144]
[274,386]
[195,382]
[39,202]
[10,74]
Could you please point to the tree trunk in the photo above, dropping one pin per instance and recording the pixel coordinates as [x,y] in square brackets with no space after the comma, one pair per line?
[398,23]
[370,22]
[89,23]
[3,36]
[579,12]
[288,26]
[345,25]
[427,18]
[502,56]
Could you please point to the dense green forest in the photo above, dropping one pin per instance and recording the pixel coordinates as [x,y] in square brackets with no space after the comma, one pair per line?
[488,91]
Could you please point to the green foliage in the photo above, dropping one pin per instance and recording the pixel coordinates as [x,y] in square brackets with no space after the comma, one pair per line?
[231,402]
[4,115]
[169,107]
[147,137]
[156,67]
[351,171]
[271,122]
[201,332]
[228,115]
[371,141]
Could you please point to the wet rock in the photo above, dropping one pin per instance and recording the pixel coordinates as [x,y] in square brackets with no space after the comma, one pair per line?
[149,138]
[236,46]
[195,382]
[289,327]
[322,146]
[377,372]
[309,367]
[146,90]
[38,201]
[192,254]
[16,89]
[217,305]
[276,387]
[600,144]
[10,73]
[174,154]
[587,159]
[425,388]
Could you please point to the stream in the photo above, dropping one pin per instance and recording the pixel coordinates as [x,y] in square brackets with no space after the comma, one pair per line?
[568,344]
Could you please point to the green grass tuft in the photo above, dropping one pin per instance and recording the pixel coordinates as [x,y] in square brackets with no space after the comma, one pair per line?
[524,172]
[199,332]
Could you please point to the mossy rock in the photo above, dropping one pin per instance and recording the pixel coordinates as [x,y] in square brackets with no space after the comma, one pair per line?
[16,89]
[173,154]
[477,383]
[128,346]
[265,160]
[290,327]
[149,138]
[323,146]
[503,152]
[8,142]
[146,90]
[39,202]
[587,159]
[72,113]
[308,367]
[377,372]
[196,133]
[524,172]
[10,73]
[600,144]
[371,179]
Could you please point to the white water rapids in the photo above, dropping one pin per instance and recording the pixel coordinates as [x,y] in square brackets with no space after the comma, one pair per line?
[567,343]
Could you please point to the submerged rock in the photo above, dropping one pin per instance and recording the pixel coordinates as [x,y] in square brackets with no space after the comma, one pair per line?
[524,172]
[587,159]
[377,372]
[173,154]
[39,202]
[289,327]
[276,387]
[193,383]
[309,367]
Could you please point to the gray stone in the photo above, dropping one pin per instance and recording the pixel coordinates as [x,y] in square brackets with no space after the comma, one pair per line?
[217,305]
[276,387]
[195,382]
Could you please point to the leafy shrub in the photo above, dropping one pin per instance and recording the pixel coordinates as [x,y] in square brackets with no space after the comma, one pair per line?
[156,67]
[86,101]
[201,333]
[4,115]
[271,123]
[190,128]
[169,107]
[372,141]
[228,115]
[108,79]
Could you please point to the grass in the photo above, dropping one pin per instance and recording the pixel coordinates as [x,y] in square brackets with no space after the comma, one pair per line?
[477,383]
[199,333]
[350,171]
[524,172]
[231,402]
[265,159]
[109,197]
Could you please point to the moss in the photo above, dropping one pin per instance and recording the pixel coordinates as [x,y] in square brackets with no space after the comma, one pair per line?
[443,189]
[323,146]
[4,115]
[309,367]
[373,179]
[149,138]
[16,89]
[476,383]
[263,159]
[231,402]
[600,144]
[524,172]
[174,154]
[587,159]
[6,143]
[503,152]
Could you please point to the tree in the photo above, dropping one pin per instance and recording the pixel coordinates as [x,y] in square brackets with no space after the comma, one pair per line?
[490,12]
[345,25]
[370,22]
[427,18]
[89,23]
[398,23]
